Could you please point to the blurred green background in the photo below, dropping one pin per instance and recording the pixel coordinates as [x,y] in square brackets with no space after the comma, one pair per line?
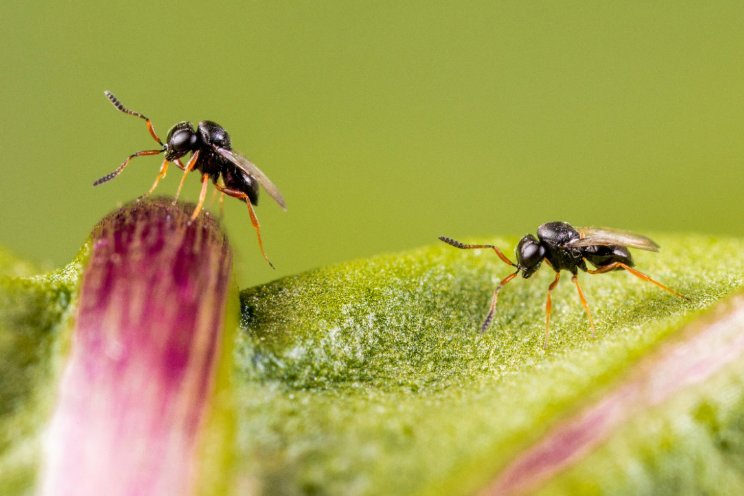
[385,124]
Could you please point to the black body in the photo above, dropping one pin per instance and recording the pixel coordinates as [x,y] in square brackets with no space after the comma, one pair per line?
[554,244]
[209,136]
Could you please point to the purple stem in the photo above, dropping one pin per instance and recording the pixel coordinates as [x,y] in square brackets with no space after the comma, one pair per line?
[144,354]
[704,348]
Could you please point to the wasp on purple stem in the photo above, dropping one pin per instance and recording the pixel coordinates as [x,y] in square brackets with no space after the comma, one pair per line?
[212,155]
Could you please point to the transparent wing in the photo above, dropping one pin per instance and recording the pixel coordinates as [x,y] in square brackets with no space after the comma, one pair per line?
[250,168]
[607,236]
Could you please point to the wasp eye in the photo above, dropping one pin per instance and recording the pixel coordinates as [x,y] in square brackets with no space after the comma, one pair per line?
[181,140]
[530,254]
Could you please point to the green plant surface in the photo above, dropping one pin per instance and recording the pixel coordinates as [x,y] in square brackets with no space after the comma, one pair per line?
[370,377]
[12,266]
[34,310]
[694,445]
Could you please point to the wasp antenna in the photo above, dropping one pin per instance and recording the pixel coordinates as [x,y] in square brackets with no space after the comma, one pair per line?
[453,242]
[118,170]
[494,300]
[106,178]
[120,107]
[458,244]
[115,101]
[487,323]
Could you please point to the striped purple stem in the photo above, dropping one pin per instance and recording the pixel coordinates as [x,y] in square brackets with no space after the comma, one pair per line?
[704,348]
[148,336]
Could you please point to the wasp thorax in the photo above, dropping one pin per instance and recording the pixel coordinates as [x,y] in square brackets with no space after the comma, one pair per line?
[530,254]
[557,233]
[181,140]
[214,134]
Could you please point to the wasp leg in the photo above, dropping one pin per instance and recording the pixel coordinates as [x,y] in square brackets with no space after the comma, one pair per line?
[549,308]
[202,196]
[161,175]
[118,170]
[638,274]
[463,246]
[254,220]
[494,299]
[575,280]
[221,198]
[119,106]
[189,168]
[257,227]
[215,192]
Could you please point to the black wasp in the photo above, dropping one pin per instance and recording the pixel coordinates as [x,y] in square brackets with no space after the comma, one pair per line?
[213,156]
[564,247]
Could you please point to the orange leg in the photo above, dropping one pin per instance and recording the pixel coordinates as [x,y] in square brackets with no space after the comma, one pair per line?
[161,175]
[549,308]
[638,274]
[464,246]
[202,196]
[575,280]
[257,227]
[215,192]
[494,299]
[221,200]
[189,168]
[118,170]
[254,220]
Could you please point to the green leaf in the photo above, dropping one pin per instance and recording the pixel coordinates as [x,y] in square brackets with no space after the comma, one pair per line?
[34,310]
[371,377]
[12,266]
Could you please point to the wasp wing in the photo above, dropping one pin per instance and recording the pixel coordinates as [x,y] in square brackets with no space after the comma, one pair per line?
[607,236]
[250,168]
